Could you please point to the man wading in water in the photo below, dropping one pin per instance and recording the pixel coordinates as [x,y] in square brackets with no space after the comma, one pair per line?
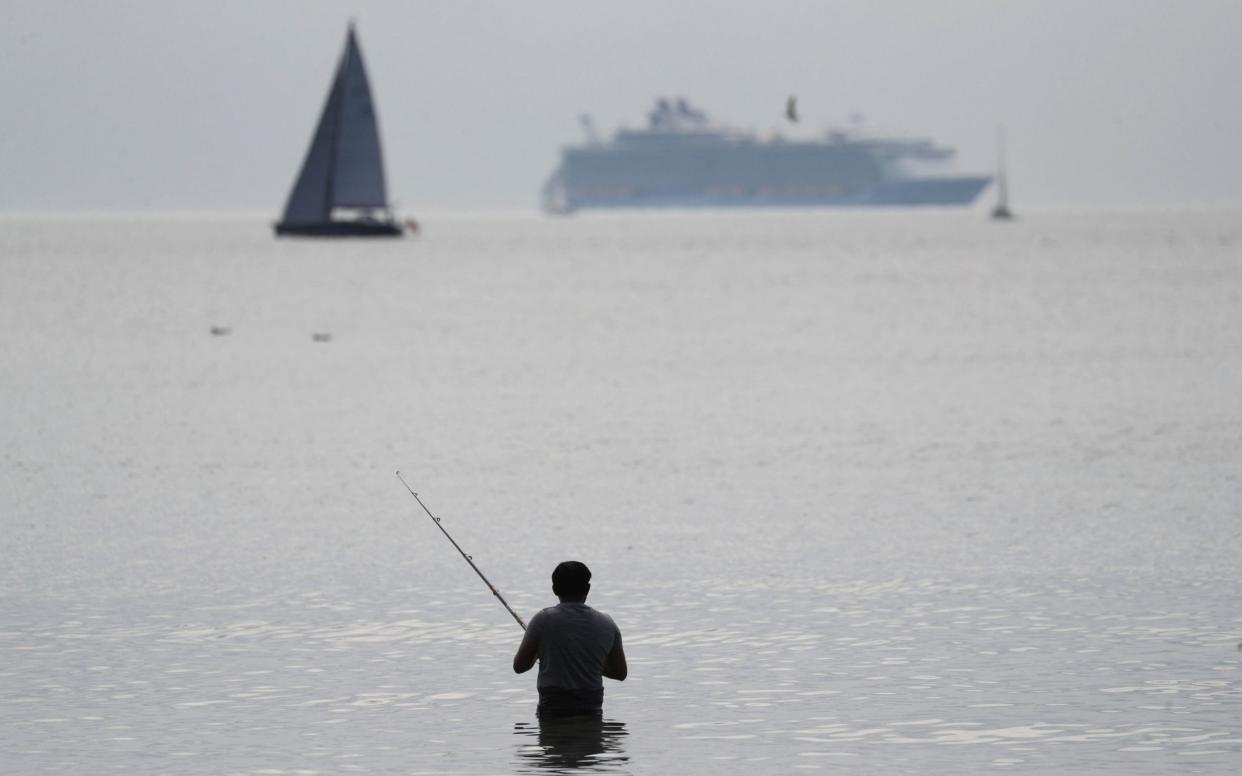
[575,646]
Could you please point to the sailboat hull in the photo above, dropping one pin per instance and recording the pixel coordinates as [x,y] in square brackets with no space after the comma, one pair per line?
[340,229]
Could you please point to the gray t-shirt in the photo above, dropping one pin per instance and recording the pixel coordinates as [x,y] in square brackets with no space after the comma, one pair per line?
[573,640]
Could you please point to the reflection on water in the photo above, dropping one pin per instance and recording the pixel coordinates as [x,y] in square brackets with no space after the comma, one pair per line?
[564,744]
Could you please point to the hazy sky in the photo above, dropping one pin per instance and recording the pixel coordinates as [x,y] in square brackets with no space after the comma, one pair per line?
[178,105]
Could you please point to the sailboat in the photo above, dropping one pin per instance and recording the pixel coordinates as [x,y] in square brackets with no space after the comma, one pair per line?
[1001,212]
[340,190]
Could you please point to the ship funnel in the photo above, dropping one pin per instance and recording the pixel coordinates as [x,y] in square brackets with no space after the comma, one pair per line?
[588,129]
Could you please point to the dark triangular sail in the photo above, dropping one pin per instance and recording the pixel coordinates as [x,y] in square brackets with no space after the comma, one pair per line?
[344,166]
[311,198]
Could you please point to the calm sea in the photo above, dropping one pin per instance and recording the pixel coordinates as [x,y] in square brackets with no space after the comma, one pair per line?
[866,492]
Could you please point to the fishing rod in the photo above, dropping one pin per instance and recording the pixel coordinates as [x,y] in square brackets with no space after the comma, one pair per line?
[469,560]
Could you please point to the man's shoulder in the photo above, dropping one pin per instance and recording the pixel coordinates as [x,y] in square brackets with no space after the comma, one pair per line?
[543,615]
[602,617]
[573,611]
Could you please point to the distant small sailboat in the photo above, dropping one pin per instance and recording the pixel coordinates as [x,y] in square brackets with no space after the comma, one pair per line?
[340,190]
[1001,212]
[791,109]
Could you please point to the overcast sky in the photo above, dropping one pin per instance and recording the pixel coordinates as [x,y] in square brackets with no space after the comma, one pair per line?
[152,104]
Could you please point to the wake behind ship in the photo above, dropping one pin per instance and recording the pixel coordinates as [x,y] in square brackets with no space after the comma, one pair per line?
[684,160]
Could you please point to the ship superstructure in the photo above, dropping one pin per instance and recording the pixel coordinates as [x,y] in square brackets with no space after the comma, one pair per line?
[683,159]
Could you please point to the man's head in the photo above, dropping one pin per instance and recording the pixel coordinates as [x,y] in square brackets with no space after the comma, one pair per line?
[571,581]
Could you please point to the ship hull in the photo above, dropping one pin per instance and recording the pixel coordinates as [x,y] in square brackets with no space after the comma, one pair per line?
[340,229]
[934,192]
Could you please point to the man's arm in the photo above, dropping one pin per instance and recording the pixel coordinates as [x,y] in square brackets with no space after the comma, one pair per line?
[614,664]
[526,655]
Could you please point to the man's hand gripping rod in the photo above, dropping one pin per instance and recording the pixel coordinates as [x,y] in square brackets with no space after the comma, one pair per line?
[469,560]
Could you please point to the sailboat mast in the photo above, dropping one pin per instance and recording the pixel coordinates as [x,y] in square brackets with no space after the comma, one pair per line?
[1001,211]
[338,87]
[1001,181]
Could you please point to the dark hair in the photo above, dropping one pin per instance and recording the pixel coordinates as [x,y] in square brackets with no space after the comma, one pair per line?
[571,579]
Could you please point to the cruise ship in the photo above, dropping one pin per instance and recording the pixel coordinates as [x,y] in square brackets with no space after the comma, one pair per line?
[683,159]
